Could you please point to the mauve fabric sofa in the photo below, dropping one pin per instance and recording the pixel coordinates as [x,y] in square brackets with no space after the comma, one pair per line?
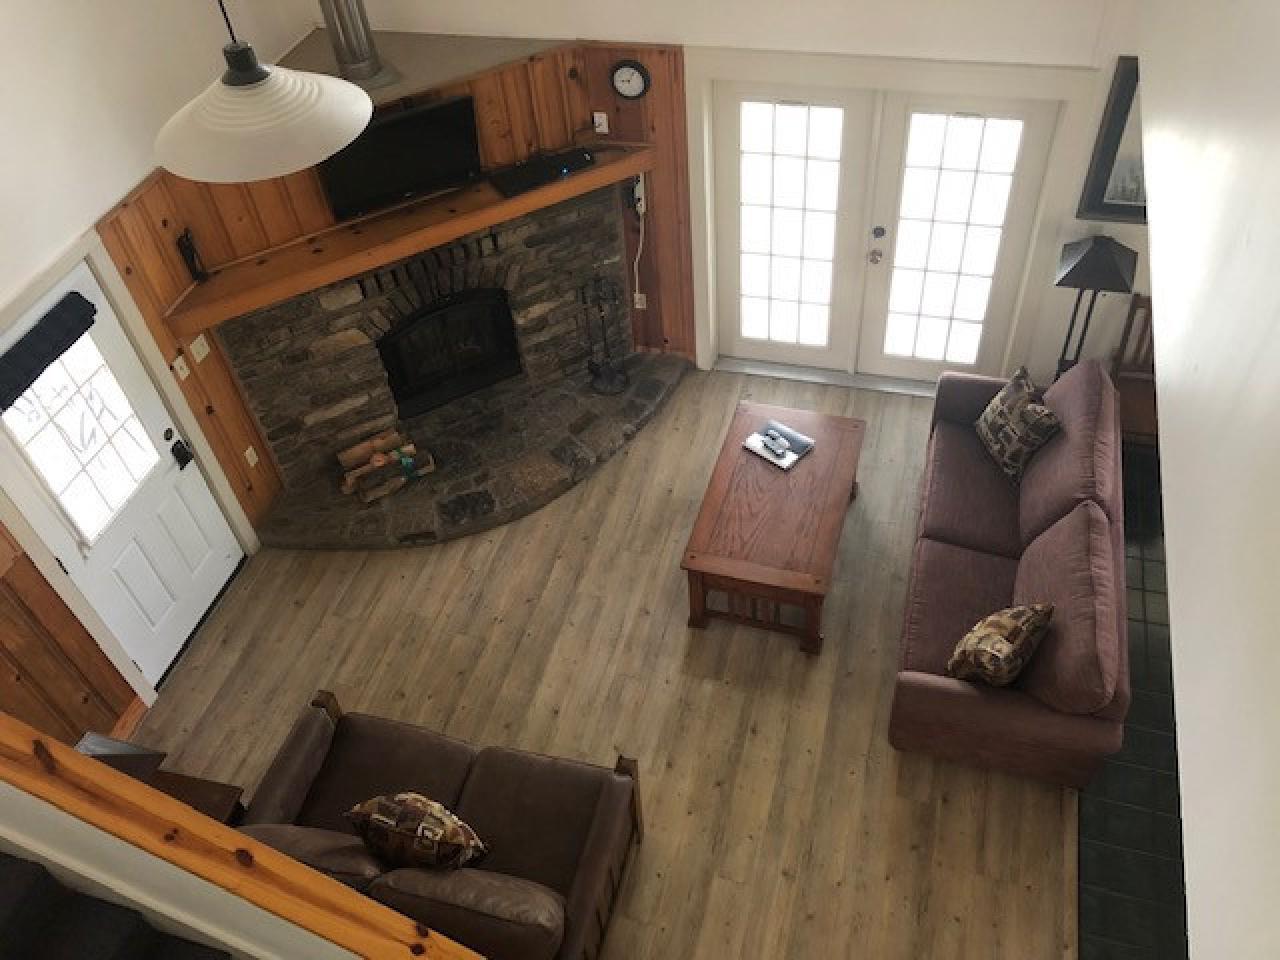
[984,543]
[558,832]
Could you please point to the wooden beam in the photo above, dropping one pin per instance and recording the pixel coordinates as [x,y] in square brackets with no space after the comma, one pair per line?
[362,245]
[170,830]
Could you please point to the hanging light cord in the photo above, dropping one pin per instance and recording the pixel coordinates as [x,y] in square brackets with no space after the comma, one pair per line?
[226,17]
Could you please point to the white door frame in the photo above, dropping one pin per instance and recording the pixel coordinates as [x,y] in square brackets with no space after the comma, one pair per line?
[89,247]
[1073,87]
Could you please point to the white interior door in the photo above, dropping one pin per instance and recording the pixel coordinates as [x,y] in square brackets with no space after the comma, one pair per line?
[792,166]
[86,455]
[958,182]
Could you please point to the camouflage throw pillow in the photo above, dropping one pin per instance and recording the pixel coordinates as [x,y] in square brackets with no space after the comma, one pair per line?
[410,830]
[999,646]
[1015,425]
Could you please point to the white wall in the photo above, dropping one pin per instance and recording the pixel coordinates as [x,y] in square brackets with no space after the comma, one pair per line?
[87,85]
[1009,31]
[1212,136]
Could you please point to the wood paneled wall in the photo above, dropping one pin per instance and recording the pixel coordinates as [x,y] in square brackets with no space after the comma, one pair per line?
[52,673]
[540,104]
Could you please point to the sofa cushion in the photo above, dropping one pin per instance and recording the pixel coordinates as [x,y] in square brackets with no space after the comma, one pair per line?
[1015,425]
[340,855]
[1071,565]
[967,500]
[951,589]
[410,830]
[370,756]
[1082,461]
[534,813]
[998,646]
[499,916]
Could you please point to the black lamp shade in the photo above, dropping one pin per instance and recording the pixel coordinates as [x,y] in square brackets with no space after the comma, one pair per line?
[1097,263]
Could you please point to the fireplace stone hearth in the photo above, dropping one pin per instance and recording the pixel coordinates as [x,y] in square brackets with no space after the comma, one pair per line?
[315,378]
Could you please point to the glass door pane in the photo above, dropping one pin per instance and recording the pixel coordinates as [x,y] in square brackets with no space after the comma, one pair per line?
[956,182]
[789,186]
[76,427]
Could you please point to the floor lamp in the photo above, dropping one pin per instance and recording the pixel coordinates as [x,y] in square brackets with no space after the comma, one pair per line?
[1093,265]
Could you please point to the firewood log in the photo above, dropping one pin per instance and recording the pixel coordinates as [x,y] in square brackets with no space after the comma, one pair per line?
[354,456]
[376,462]
[375,479]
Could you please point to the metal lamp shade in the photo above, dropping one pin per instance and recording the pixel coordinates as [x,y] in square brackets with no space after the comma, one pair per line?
[288,121]
[1097,263]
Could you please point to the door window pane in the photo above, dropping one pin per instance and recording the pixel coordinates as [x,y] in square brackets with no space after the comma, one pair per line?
[76,428]
[820,235]
[784,280]
[755,275]
[790,186]
[955,196]
[788,232]
[913,243]
[757,178]
[754,317]
[826,126]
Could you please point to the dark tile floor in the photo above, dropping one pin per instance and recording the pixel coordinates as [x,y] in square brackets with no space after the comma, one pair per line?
[1132,902]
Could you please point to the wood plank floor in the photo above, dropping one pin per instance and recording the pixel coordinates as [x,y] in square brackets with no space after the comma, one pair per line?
[780,822]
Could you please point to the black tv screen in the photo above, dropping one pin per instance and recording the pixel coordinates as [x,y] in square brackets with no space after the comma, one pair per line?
[404,155]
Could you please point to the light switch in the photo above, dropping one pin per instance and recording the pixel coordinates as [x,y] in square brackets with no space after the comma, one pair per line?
[251,456]
[199,348]
[180,368]
[600,121]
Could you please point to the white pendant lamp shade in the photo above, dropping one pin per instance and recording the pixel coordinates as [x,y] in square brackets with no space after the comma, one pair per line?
[255,123]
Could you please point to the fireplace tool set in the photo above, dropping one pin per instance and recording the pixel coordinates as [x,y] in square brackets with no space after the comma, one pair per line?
[601,296]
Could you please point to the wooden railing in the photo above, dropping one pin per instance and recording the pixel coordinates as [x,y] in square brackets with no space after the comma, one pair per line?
[170,830]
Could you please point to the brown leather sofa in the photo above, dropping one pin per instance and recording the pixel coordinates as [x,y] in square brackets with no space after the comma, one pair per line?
[558,832]
[984,544]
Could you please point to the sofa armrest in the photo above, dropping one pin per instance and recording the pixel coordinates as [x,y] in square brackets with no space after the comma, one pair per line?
[963,396]
[284,786]
[998,727]
[604,857]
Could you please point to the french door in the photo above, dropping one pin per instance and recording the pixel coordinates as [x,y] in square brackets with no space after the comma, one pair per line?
[910,265]
[794,163]
[957,186]
[85,453]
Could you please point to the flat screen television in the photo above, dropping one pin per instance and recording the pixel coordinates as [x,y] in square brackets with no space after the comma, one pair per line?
[402,155]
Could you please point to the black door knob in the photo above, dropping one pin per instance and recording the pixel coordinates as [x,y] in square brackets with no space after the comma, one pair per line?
[182,453]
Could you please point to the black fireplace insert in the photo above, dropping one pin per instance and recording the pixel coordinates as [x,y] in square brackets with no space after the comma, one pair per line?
[450,348]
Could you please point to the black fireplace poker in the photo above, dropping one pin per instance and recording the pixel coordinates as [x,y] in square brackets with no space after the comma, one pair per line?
[607,375]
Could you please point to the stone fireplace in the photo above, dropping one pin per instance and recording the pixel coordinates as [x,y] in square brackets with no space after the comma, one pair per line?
[476,350]
[450,348]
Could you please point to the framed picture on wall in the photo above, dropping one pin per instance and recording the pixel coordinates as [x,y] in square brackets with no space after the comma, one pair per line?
[1115,188]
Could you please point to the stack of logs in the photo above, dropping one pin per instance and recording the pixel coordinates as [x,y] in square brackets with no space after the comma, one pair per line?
[378,467]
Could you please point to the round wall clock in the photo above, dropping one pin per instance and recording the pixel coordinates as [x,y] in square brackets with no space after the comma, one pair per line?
[630,79]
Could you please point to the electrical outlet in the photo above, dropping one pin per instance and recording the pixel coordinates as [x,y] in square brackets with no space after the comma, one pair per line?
[180,368]
[642,301]
[600,121]
[199,348]
[251,456]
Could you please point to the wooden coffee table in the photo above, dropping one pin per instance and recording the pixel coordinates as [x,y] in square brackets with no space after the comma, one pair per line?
[766,538]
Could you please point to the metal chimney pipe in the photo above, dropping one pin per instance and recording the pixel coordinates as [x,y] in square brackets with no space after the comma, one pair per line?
[353,44]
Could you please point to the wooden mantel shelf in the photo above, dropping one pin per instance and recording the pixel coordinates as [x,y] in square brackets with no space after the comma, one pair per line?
[359,246]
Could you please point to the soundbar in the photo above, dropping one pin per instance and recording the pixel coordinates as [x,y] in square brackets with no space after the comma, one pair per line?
[537,171]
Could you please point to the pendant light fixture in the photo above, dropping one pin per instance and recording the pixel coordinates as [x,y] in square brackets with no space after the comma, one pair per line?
[258,122]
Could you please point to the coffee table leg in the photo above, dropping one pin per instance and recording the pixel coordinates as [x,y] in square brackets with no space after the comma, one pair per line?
[697,600]
[811,640]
